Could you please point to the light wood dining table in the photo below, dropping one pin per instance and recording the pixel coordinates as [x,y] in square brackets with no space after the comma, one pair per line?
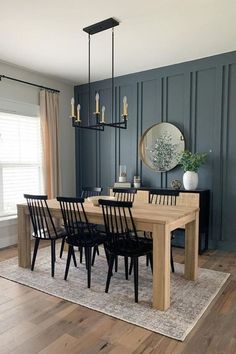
[158,219]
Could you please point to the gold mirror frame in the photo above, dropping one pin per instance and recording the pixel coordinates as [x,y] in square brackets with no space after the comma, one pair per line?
[160,145]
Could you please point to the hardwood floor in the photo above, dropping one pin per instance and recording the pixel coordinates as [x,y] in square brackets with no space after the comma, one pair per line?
[34,322]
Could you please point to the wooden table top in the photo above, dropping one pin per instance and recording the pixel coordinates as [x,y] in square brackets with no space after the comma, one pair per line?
[142,212]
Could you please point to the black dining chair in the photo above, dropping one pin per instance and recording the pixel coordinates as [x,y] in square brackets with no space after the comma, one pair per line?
[124,194]
[44,228]
[80,232]
[122,238]
[86,192]
[91,191]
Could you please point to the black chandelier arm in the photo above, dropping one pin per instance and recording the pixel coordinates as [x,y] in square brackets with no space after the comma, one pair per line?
[120,125]
[99,127]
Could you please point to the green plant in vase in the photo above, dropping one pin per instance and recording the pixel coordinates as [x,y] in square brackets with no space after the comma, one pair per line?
[191,162]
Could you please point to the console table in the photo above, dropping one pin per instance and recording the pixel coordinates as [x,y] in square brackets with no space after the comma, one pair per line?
[198,198]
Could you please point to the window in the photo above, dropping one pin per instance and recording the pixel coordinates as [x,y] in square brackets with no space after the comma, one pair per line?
[20,160]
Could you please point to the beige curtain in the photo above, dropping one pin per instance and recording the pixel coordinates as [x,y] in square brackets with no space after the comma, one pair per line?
[49,111]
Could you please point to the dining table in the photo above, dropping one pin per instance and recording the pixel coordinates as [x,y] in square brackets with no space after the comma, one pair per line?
[160,220]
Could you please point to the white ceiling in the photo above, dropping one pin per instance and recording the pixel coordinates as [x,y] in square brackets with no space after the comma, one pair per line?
[47,36]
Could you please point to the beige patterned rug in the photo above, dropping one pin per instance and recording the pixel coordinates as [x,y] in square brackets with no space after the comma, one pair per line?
[189,300]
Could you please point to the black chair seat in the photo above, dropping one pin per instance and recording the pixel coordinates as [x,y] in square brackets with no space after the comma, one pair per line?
[100,228]
[130,248]
[60,233]
[85,239]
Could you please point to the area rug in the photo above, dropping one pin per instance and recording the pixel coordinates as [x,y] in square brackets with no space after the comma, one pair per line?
[189,300]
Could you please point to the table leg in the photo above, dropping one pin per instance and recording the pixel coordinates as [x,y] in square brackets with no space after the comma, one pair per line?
[191,248]
[24,243]
[161,267]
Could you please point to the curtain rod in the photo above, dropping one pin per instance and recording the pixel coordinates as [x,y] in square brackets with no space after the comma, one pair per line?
[27,83]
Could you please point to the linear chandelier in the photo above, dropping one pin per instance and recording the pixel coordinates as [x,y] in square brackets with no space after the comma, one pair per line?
[99,120]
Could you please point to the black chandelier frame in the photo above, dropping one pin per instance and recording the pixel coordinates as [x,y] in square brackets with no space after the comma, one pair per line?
[99,125]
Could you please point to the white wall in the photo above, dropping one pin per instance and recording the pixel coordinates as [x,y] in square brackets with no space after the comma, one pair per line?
[29,94]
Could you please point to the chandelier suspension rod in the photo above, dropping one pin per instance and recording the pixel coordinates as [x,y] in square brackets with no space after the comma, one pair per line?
[89,76]
[112,75]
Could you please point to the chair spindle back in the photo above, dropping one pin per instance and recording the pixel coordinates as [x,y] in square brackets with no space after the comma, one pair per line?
[40,216]
[124,195]
[74,215]
[118,220]
[90,191]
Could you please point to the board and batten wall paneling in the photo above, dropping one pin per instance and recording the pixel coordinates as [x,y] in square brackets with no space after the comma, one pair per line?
[106,144]
[203,128]
[174,103]
[151,113]
[199,98]
[127,141]
[228,234]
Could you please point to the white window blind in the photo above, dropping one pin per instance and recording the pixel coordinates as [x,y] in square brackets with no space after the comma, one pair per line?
[20,160]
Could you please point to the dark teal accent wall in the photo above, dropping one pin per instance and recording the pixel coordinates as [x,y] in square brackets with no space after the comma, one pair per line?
[200,98]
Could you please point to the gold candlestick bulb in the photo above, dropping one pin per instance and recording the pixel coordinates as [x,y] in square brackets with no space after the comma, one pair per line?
[97,102]
[103,114]
[78,113]
[126,110]
[125,107]
[72,107]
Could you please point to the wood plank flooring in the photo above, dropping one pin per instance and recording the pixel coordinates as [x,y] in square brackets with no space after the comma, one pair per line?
[34,322]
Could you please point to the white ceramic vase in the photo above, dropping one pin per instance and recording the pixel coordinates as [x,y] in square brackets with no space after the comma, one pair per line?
[190,180]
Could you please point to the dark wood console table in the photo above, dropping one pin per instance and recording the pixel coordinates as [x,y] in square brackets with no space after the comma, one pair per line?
[199,198]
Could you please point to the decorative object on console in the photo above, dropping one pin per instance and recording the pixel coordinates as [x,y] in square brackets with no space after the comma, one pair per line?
[98,122]
[176,184]
[122,185]
[160,146]
[122,173]
[137,182]
[190,163]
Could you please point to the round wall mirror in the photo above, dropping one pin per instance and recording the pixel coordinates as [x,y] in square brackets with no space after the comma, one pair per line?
[160,146]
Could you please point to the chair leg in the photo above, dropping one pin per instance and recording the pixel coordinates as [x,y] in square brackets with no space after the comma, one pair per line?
[70,251]
[36,246]
[54,250]
[171,260]
[94,255]
[151,261]
[147,260]
[97,249]
[126,268]
[107,255]
[81,254]
[131,266]
[62,246]
[88,253]
[116,264]
[109,274]
[135,279]
[74,258]
[52,257]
